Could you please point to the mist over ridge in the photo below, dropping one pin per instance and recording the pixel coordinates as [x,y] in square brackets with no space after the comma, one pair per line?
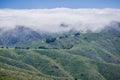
[59,19]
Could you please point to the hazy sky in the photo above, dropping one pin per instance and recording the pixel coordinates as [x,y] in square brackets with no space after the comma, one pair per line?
[28,4]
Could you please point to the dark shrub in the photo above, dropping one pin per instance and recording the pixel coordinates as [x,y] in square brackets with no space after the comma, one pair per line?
[50,40]
[77,34]
[75,78]
[42,47]
[27,47]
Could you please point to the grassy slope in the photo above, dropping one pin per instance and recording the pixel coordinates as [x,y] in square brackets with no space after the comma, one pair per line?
[94,56]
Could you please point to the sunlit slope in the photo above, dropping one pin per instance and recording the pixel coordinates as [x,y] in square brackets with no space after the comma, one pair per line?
[73,56]
[56,64]
[30,63]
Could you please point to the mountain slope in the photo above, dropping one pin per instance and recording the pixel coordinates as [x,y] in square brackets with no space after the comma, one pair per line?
[67,56]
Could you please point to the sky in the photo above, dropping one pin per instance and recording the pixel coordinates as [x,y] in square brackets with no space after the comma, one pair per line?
[33,4]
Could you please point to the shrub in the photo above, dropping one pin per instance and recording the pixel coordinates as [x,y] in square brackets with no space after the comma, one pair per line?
[49,40]
[77,34]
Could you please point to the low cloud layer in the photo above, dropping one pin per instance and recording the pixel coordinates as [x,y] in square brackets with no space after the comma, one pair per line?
[59,19]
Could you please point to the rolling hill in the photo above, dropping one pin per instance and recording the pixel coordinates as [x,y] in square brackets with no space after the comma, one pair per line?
[66,56]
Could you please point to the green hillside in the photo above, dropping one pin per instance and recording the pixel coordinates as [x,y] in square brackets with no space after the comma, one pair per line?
[76,56]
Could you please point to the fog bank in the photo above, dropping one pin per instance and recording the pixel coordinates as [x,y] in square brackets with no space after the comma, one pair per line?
[59,19]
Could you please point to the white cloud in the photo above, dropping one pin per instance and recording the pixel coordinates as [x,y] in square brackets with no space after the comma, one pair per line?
[50,19]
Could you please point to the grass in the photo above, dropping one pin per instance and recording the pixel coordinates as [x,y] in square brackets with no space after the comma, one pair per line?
[88,56]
